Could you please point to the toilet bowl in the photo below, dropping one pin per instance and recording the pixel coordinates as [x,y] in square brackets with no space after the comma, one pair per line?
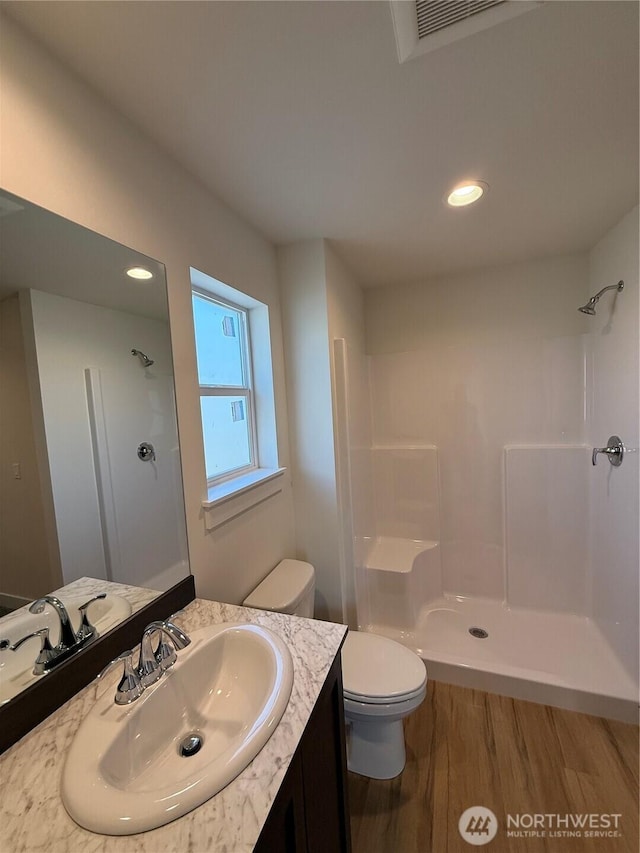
[383,681]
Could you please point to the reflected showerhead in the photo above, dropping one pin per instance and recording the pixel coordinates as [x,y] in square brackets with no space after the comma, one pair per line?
[590,307]
[146,361]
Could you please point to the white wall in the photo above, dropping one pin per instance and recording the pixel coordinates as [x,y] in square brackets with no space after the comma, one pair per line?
[615,410]
[321,301]
[26,568]
[305,318]
[65,149]
[471,364]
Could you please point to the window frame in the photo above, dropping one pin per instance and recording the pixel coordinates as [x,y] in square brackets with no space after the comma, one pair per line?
[246,391]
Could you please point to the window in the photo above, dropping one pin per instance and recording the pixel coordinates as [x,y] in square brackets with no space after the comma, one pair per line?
[223,350]
[237,399]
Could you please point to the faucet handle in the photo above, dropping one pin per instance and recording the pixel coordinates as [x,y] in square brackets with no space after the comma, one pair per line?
[68,637]
[166,652]
[149,668]
[45,655]
[178,636]
[165,655]
[86,629]
[614,451]
[153,663]
[130,686]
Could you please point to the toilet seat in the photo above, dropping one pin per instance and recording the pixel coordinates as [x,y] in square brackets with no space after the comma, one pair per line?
[357,709]
[382,700]
[379,671]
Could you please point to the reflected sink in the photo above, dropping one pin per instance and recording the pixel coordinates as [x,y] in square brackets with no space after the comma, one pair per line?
[16,668]
[228,690]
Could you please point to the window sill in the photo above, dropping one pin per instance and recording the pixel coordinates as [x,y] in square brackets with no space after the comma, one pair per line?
[236,496]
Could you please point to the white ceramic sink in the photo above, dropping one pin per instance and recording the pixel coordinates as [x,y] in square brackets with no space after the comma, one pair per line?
[16,668]
[124,772]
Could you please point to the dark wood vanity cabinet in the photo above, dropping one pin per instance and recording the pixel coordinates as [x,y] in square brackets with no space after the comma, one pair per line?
[311,812]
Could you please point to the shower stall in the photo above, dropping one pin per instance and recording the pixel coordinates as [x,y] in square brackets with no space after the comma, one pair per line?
[477,529]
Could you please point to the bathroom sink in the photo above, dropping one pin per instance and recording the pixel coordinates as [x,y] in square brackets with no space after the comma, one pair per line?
[127,770]
[16,668]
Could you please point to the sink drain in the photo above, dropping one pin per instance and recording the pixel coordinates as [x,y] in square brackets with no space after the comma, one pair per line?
[479,633]
[190,744]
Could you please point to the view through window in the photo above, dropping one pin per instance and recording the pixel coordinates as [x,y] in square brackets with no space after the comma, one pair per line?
[223,353]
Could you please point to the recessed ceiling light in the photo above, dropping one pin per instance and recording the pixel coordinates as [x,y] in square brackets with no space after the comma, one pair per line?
[467,193]
[139,273]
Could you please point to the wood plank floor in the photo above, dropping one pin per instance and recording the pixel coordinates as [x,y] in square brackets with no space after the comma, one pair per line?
[468,748]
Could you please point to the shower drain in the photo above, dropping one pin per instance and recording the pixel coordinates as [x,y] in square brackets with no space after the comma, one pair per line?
[479,633]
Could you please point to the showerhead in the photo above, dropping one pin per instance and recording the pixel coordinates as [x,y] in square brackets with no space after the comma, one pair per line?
[590,307]
[146,361]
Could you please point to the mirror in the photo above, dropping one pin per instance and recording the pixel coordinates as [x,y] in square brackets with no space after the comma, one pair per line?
[90,477]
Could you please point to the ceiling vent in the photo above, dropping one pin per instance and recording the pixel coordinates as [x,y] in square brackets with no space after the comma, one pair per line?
[424,25]
[433,15]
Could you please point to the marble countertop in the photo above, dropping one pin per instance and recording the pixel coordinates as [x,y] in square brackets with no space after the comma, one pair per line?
[32,815]
[137,596]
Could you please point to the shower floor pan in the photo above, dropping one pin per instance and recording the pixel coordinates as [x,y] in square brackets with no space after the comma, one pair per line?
[554,658]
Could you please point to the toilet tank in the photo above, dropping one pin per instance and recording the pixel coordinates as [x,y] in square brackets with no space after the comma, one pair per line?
[289,588]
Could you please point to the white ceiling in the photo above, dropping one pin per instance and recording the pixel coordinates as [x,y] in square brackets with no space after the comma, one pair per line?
[300,117]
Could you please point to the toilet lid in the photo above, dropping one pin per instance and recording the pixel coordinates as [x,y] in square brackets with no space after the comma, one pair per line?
[378,670]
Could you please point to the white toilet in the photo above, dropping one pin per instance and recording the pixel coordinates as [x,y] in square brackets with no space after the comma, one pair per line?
[382,680]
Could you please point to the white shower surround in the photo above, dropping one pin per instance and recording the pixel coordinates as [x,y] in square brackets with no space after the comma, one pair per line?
[123,518]
[560,659]
[498,399]
[540,643]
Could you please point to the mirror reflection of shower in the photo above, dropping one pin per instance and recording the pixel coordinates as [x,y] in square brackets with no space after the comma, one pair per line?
[146,361]
[590,307]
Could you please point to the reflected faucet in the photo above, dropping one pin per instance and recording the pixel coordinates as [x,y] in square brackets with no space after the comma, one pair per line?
[46,654]
[69,640]
[68,636]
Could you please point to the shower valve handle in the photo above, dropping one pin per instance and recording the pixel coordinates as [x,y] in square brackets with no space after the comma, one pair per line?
[614,451]
[146,452]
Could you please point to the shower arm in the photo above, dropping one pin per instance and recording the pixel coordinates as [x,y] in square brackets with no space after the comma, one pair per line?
[590,307]
[619,286]
[146,361]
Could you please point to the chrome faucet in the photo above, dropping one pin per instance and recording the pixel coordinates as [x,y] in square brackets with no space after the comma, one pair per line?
[152,663]
[86,630]
[68,637]
[46,654]
[69,640]
[129,687]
